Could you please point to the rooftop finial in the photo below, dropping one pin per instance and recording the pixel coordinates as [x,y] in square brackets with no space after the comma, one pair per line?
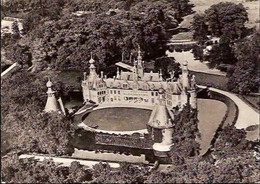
[91,61]
[131,57]
[139,49]
[49,83]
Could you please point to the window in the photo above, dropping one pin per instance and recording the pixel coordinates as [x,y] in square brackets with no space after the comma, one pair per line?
[152,93]
[114,97]
[114,91]
[152,100]
[124,86]
[111,91]
[111,99]
[156,93]
[118,92]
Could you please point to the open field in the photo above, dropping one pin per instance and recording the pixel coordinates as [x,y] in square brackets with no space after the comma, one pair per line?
[211,113]
[216,81]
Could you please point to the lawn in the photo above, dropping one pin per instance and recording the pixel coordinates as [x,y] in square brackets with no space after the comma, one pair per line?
[211,113]
[118,119]
[217,81]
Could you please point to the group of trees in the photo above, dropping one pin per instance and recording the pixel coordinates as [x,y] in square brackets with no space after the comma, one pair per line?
[226,164]
[236,47]
[185,133]
[223,19]
[26,127]
[244,78]
[65,41]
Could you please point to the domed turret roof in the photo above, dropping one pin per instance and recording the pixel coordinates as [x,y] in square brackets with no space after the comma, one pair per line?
[49,83]
[91,61]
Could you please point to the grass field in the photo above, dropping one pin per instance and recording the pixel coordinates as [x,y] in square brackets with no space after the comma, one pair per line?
[217,81]
[118,119]
[211,113]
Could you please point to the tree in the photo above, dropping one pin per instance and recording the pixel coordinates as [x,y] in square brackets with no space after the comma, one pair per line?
[227,18]
[200,28]
[222,53]
[167,65]
[245,78]
[15,28]
[23,98]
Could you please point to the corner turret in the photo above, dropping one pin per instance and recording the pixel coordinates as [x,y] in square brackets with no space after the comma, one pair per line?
[51,104]
[161,124]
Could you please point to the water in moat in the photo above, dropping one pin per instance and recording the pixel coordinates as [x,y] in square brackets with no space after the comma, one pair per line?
[209,120]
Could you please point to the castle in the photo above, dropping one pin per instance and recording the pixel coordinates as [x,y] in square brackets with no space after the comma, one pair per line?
[139,88]
[136,88]
[166,98]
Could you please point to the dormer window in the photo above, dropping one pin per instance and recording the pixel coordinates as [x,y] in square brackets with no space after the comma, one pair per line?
[125,86]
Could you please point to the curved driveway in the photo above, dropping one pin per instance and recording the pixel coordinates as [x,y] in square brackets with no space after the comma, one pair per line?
[247,116]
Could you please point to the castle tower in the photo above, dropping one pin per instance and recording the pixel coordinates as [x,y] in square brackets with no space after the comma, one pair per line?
[52,104]
[135,70]
[161,126]
[118,74]
[160,75]
[184,98]
[92,70]
[185,75]
[89,81]
[140,64]
[193,94]
[193,99]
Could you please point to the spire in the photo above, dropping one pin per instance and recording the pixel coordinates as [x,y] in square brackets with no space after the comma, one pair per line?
[91,62]
[160,75]
[117,74]
[185,75]
[84,76]
[185,65]
[51,104]
[130,60]
[139,57]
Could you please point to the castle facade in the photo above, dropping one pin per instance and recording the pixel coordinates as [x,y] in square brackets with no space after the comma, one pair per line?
[139,88]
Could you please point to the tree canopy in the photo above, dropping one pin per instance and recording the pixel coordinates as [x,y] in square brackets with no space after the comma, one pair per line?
[245,77]
[60,40]
[224,18]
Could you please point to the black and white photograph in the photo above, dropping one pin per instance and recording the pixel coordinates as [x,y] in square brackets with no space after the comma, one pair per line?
[130,91]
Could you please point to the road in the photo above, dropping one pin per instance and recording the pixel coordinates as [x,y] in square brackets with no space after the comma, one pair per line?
[67,161]
[247,116]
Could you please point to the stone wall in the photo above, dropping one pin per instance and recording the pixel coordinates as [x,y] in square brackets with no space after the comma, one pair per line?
[135,140]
